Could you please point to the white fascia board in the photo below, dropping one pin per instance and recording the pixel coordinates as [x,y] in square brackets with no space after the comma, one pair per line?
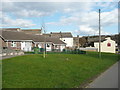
[59,44]
[41,42]
[2,37]
[19,40]
[66,37]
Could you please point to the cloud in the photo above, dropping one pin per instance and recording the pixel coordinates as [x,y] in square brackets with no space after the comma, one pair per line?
[31,13]
[87,30]
[36,9]
[9,22]
[60,1]
[109,18]
[82,15]
[27,9]
[107,5]
[88,22]
[65,21]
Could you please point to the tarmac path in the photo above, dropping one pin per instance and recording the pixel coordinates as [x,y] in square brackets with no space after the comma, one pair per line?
[108,79]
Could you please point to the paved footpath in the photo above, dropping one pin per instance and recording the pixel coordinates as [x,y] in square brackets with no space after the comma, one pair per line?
[5,57]
[108,79]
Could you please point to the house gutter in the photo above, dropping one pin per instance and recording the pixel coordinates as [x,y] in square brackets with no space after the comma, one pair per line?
[19,40]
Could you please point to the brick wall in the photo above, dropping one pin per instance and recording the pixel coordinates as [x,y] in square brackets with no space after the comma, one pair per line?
[18,45]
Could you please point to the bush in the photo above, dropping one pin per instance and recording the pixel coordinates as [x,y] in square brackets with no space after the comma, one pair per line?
[75,51]
[36,50]
[64,50]
[29,52]
[42,49]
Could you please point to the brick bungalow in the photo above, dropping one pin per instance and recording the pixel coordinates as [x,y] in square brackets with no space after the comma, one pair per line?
[20,41]
[51,43]
[16,40]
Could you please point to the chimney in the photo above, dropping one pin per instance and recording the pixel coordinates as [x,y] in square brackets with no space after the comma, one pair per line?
[50,34]
[18,29]
[77,35]
[60,34]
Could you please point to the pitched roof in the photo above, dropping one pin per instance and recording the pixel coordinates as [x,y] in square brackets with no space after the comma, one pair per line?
[10,29]
[31,31]
[59,34]
[25,30]
[38,38]
[56,40]
[62,34]
[42,38]
[14,35]
[47,35]
[19,36]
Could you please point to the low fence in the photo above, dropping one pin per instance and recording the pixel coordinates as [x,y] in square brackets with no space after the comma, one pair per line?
[65,51]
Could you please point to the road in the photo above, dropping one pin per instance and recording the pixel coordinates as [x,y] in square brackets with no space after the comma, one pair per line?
[108,79]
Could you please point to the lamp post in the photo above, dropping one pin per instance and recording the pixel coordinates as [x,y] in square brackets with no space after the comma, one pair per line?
[99,35]
[44,53]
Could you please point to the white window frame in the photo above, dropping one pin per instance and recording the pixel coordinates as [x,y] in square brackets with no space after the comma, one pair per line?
[13,44]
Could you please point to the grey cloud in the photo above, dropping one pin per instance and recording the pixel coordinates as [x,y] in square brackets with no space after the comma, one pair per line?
[46,8]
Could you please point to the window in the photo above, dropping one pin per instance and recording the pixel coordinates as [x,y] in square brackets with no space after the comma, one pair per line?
[109,44]
[48,45]
[56,46]
[13,44]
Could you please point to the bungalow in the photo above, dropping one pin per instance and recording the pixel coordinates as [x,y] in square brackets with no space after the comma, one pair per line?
[16,40]
[20,41]
[57,45]
[51,43]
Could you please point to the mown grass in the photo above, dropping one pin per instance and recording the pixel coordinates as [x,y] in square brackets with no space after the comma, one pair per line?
[54,71]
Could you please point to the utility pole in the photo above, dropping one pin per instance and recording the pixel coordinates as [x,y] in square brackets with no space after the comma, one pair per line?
[44,53]
[99,35]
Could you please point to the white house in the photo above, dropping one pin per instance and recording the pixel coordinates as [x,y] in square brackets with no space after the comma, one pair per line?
[66,37]
[107,45]
[68,41]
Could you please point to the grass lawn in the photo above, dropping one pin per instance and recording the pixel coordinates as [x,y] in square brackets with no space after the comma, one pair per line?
[55,71]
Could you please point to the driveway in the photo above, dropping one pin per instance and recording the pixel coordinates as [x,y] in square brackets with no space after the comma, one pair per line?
[108,79]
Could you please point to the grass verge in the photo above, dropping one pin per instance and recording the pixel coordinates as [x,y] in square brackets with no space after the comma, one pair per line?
[54,71]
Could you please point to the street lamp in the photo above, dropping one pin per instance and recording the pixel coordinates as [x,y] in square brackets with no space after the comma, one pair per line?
[99,35]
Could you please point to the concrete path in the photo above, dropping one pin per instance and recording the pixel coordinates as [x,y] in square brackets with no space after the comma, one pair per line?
[4,57]
[108,79]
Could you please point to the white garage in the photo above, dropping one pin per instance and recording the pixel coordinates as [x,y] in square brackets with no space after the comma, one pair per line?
[107,45]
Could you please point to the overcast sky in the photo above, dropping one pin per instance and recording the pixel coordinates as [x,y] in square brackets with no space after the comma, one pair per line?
[80,18]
